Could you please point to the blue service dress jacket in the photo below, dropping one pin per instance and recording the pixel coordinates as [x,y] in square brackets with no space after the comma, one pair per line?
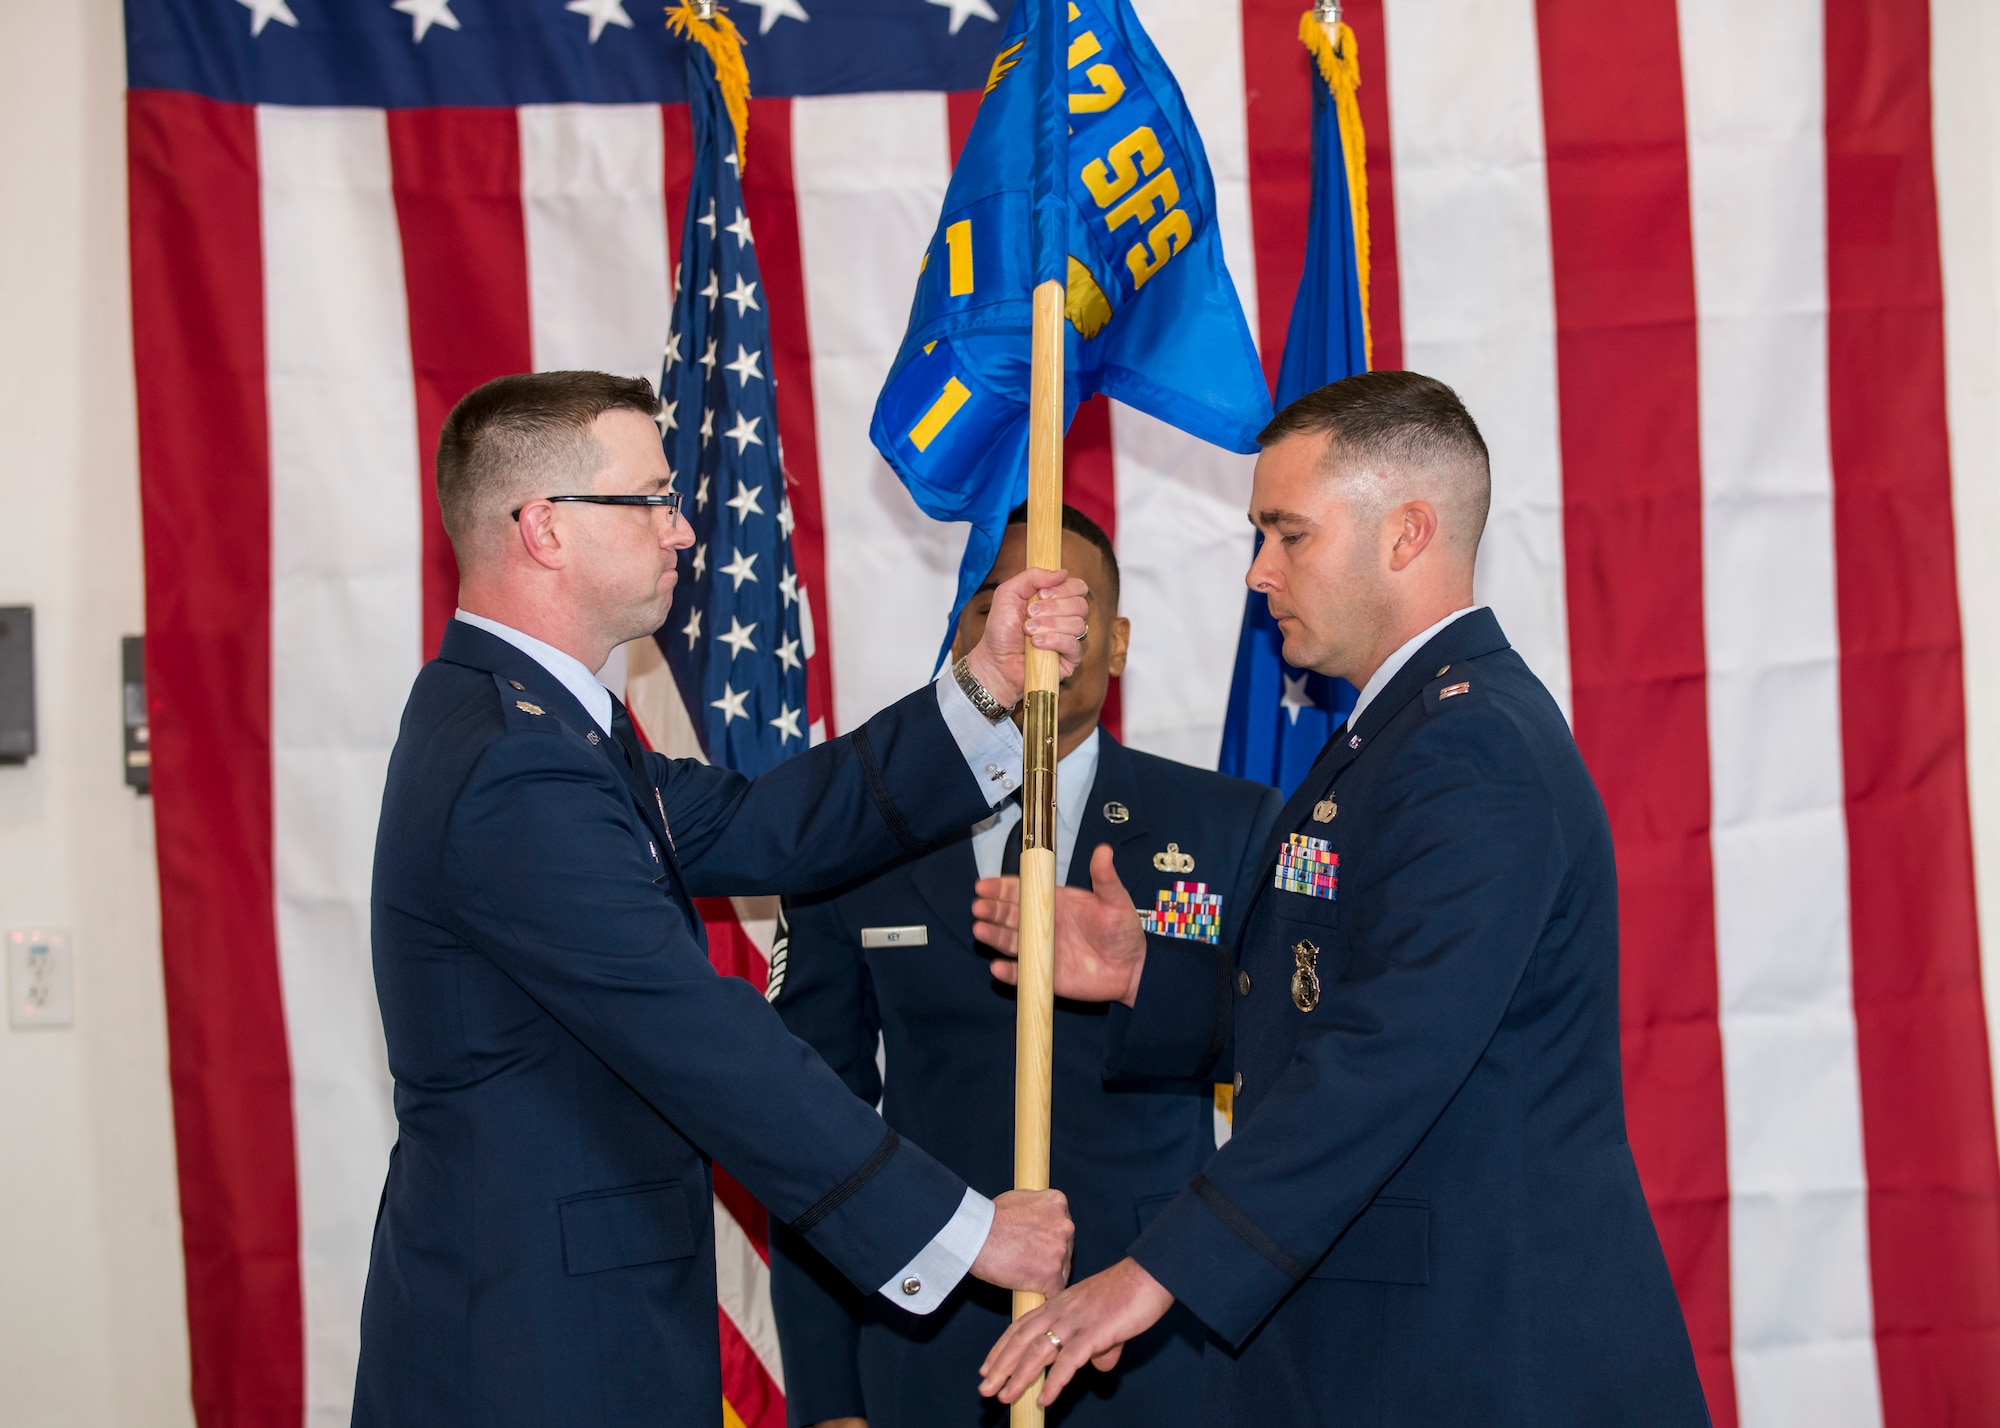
[1427,1213]
[566,1062]
[1120,1150]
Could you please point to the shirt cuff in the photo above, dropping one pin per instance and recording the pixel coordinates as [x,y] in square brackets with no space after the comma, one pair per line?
[992,751]
[922,1284]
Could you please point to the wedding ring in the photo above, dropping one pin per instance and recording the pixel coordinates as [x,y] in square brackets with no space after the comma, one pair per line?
[1050,1336]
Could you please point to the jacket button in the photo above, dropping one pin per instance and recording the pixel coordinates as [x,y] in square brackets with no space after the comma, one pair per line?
[1238,1083]
[1243,983]
[913,1285]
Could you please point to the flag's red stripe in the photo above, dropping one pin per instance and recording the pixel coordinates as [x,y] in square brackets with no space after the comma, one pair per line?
[678,130]
[961,107]
[745,1382]
[457,180]
[746,1210]
[198,336]
[1277,78]
[773,206]
[1926,1097]
[1385,290]
[1626,362]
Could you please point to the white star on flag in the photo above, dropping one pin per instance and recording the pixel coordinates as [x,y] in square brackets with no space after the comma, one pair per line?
[741,228]
[707,424]
[601,13]
[692,629]
[776,10]
[700,561]
[708,358]
[707,220]
[744,295]
[740,637]
[745,432]
[425,13]
[664,417]
[788,654]
[788,586]
[787,722]
[701,493]
[961,9]
[744,502]
[739,569]
[263,12]
[745,365]
[711,292]
[1295,697]
[731,705]
[785,517]
[673,353]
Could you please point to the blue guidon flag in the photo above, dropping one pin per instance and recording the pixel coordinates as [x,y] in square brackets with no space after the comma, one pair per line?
[1084,165]
[736,640]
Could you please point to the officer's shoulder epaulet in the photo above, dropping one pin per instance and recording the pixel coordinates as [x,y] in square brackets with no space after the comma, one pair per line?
[519,708]
[1453,687]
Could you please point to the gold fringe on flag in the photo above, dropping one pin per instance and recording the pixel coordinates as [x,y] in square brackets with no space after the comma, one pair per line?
[1332,48]
[724,43]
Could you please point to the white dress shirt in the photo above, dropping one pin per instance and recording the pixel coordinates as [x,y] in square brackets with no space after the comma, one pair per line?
[1394,663]
[992,751]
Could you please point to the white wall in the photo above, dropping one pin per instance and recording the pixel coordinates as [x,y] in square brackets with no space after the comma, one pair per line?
[92,1319]
[1965,56]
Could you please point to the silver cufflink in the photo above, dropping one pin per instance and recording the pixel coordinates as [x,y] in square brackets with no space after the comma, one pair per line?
[913,1285]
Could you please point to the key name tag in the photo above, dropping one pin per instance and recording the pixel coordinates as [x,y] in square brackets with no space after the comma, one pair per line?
[916,936]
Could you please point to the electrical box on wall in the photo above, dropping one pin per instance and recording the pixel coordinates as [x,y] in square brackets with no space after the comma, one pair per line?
[138,728]
[17,683]
[39,991]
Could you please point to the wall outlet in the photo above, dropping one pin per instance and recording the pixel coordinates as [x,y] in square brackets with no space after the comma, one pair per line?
[39,988]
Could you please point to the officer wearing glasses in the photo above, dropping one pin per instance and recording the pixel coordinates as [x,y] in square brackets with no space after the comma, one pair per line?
[565,1060]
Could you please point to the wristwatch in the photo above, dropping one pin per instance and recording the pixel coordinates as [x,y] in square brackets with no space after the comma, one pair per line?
[984,702]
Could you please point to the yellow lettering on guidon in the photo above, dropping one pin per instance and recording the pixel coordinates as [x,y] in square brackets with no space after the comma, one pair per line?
[954,396]
[1163,190]
[958,239]
[1082,48]
[1169,236]
[1139,151]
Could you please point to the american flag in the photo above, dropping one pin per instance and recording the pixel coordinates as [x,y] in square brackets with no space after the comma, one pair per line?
[1681,257]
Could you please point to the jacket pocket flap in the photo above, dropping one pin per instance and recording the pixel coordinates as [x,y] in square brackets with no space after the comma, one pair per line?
[1389,1244]
[614,1229]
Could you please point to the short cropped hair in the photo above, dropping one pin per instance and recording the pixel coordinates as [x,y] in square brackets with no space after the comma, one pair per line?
[1401,421]
[506,439]
[1077,521]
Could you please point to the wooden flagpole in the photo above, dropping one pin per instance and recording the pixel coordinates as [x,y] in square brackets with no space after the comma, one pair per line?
[1034,1028]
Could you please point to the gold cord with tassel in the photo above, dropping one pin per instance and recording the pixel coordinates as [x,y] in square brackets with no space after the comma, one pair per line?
[724,43]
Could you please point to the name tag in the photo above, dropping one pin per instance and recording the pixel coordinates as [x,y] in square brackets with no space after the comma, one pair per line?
[915,936]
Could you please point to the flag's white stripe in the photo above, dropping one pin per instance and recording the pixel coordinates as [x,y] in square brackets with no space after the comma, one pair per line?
[1965,55]
[1183,542]
[872,170]
[1475,266]
[592,184]
[345,604]
[743,1288]
[1800,1310]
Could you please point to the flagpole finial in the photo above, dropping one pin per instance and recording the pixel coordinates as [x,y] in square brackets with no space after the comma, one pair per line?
[705,9]
[1327,12]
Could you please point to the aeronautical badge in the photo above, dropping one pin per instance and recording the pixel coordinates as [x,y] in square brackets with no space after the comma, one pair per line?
[1173,860]
[1307,865]
[1188,911]
[526,708]
[1116,812]
[1305,980]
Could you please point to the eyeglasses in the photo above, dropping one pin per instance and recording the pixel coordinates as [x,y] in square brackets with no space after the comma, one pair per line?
[670,502]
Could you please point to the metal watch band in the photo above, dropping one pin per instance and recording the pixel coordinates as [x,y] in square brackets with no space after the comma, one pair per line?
[984,702]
